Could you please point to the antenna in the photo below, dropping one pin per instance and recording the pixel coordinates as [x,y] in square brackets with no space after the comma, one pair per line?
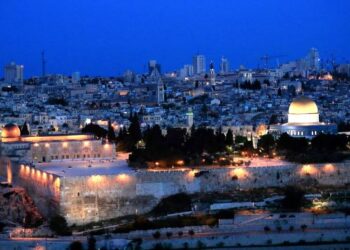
[43,63]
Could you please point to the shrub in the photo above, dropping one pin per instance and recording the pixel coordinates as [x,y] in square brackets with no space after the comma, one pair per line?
[156,235]
[59,225]
[220,244]
[76,245]
[200,245]
[169,234]
[173,204]
[191,232]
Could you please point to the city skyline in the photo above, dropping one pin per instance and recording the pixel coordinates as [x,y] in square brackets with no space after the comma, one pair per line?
[119,39]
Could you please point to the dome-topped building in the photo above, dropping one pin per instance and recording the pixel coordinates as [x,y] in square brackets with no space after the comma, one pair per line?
[10,131]
[303,110]
[303,120]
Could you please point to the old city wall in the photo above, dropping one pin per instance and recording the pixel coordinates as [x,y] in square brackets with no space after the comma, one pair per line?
[93,198]
[44,188]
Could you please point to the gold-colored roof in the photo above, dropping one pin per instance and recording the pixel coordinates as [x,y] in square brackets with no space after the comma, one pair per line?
[303,105]
[10,131]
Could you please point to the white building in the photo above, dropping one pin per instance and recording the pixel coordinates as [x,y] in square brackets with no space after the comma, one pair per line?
[199,64]
[224,65]
[13,73]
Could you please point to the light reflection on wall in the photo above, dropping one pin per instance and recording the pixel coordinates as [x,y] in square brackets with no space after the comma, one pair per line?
[308,170]
[191,174]
[40,177]
[9,172]
[329,168]
[96,181]
[123,178]
[240,173]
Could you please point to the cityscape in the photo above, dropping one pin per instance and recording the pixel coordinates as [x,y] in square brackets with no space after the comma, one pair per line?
[216,152]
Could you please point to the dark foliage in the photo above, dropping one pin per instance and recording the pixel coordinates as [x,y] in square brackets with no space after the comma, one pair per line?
[294,198]
[95,129]
[178,145]
[76,245]
[266,143]
[173,204]
[24,129]
[110,133]
[57,101]
[91,243]
[58,224]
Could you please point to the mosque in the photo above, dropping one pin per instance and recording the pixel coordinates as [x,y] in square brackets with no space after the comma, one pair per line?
[303,120]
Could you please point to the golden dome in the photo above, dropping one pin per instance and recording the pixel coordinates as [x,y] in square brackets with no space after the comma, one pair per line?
[10,131]
[303,105]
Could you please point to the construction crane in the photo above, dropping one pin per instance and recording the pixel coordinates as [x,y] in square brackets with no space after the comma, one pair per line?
[266,58]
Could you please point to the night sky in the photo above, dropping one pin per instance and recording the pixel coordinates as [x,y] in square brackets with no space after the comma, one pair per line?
[106,37]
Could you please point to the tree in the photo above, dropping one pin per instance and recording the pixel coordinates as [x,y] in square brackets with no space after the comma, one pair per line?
[293,198]
[59,225]
[134,131]
[156,235]
[229,138]
[110,133]
[303,227]
[191,232]
[169,234]
[266,143]
[273,119]
[94,129]
[76,245]
[24,129]
[91,243]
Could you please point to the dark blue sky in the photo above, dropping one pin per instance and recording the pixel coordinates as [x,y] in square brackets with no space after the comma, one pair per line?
[106,37]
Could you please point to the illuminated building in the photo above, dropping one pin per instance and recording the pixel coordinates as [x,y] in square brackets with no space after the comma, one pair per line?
[303,120]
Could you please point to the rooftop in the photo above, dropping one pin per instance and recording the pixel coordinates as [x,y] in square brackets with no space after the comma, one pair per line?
[76,168]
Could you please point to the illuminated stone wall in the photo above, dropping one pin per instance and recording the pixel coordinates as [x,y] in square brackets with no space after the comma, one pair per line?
[44,188]
[58,150]
[86,199]
[92,198]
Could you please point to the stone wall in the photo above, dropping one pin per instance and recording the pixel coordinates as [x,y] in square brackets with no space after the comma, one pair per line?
[85,199]
[44,188]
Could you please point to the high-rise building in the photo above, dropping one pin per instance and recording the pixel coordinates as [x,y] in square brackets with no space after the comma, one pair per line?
[313,60]
[224,65]
[76,77]
[186,71]
[152,64]
[199,64]
[13,73]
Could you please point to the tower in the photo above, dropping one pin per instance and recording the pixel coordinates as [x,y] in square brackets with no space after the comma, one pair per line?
[212,74]
[198,64]
[224,65]
[313,60]
[189,117]
[13,73]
